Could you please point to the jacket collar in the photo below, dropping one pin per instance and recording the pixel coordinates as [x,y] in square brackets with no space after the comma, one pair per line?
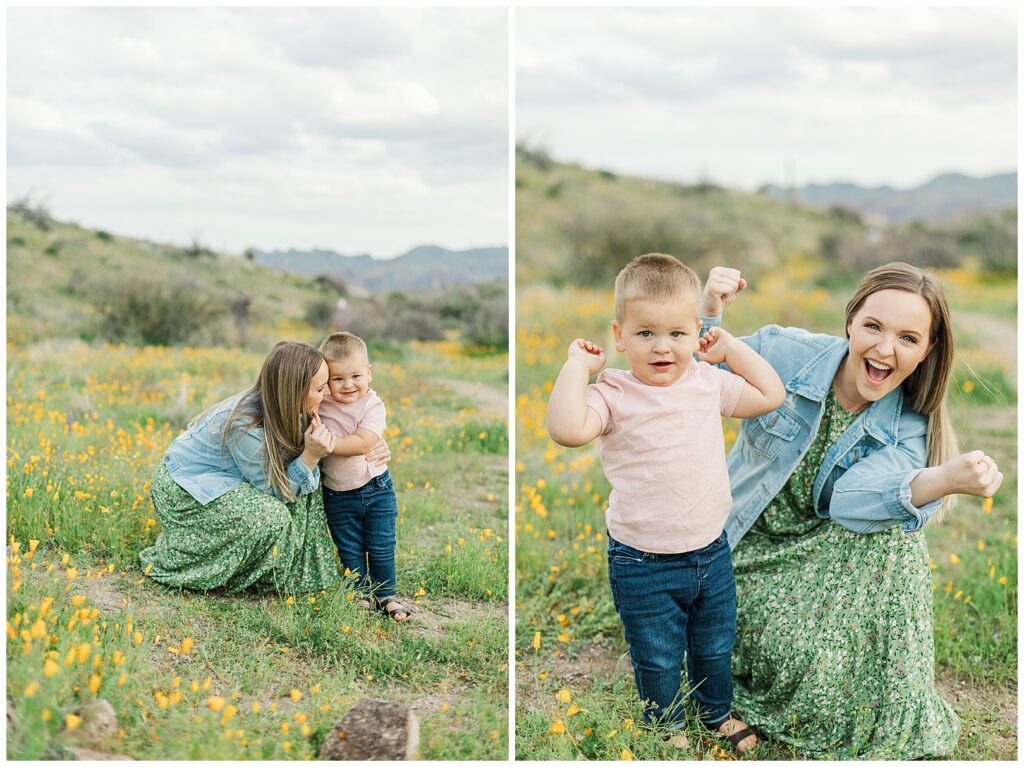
[813,381]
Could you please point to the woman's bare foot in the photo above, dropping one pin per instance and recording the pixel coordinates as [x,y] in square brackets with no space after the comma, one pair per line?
[738,734]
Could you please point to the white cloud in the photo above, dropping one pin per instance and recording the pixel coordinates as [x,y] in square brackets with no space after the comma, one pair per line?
[873,95]
[362,129]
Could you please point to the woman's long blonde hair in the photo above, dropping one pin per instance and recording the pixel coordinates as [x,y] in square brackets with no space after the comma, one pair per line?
[925,388]
[276,404]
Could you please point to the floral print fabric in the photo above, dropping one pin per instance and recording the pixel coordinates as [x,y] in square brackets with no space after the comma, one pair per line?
[834,650]
[245,539]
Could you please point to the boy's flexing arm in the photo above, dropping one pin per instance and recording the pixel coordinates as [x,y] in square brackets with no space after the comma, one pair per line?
[763,391]
[359,443]
[570,422]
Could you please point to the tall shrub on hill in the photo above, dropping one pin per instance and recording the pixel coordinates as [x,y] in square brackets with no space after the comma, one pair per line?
[157,312]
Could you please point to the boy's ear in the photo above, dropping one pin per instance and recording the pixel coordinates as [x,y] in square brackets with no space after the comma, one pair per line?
[700,324]
[617,332]
[369,371]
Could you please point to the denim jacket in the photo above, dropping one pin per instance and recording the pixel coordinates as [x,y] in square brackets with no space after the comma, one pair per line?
[207,467]
[864,480]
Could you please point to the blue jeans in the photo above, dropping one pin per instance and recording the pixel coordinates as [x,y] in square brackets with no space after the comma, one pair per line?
[362,524]
[673,605]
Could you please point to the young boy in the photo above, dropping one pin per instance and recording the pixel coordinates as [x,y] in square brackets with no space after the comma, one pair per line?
[359,498]
[663,452]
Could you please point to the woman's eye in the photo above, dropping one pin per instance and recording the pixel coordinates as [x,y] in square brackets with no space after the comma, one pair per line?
[909,339]
[871,325]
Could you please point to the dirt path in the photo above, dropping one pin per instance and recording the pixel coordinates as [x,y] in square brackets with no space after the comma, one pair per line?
[996,333]
[487,398]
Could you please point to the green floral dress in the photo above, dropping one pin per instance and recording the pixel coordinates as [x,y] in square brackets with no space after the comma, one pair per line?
[245,539]
[834,649]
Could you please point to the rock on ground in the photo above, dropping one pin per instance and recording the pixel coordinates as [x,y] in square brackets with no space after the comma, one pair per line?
[373,729]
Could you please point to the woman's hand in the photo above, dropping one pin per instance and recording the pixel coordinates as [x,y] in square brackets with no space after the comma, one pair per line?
[720,290]
[590,354]
[317,441]
[379,454]
[972,473]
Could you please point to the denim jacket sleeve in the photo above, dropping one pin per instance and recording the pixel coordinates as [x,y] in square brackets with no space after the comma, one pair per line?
[248,450]
[874,493]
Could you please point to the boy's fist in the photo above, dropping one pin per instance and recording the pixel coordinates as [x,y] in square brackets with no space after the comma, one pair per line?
[721,288]
[590,354]
[714,345]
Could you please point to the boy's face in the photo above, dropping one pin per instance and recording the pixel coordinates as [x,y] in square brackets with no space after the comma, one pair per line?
[350,378]
[658,338]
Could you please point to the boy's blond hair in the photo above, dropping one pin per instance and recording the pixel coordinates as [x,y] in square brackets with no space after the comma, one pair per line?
[655,277]
[342,345]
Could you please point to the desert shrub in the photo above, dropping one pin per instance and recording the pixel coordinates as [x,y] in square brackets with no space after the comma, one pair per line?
[320,312]
[488,324]
[14,242]
[104,236]
[993,240]
[53,249]
[603,244]
[536,156]
[157,312]
[194,250]
[396,319]
[853,252]
[331,283]
[35,212]
[845,214]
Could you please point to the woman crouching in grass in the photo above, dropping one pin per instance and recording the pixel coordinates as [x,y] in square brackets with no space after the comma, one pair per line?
[237,494]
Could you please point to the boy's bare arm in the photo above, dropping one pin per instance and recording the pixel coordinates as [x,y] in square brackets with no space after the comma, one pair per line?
[359,443]
[570,421]
[763,391]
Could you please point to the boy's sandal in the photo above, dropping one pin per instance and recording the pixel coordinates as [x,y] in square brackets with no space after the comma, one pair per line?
[394,609]
[737,737]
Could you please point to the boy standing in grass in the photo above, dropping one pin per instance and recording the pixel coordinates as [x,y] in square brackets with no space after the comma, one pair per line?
[359,497]
[663,452]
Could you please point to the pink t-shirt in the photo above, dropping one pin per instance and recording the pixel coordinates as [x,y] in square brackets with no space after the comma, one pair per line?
[664,454]
[349,472]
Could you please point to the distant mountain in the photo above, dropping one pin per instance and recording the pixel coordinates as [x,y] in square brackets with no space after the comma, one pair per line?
[950,194]
[426,266]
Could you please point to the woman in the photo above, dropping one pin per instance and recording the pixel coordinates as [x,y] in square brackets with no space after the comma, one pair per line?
[238,494]
[834,651]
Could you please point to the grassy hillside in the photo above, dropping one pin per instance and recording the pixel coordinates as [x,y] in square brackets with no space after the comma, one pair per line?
[54,277]
[567,217]
[579,226]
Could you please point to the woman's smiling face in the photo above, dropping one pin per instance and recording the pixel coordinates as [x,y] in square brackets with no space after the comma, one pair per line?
[317,390]
[889,337]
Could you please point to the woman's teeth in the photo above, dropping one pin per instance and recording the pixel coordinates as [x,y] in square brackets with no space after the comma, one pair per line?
[876,372]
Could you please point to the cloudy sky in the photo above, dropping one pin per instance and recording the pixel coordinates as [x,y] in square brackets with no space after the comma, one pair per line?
[362,131]
[745,96]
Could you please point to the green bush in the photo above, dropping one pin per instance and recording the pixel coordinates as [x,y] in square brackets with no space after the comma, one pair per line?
[603,244]
[157,312]
[320,312]
[488,324]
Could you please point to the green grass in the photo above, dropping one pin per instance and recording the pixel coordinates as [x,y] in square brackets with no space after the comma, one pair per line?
[562,596]
[86,426]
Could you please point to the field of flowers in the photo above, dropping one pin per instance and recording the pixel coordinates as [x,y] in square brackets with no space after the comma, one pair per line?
[575,695]
[191,676]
